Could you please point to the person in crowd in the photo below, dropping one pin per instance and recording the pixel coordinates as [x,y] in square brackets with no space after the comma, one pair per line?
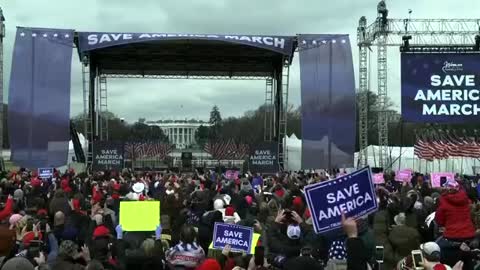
[454,215]
[187,253]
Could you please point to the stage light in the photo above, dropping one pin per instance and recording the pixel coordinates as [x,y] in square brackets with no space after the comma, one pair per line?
[406,42]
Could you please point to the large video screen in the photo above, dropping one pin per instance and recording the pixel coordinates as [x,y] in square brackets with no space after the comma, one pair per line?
[440,87]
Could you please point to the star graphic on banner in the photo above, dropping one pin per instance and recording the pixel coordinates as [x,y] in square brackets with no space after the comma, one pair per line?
[45,35]
[344,41]
[314,42]
[55,35]
[304,42]
[324,41]
[334,182]
[34,35]
[67,35]
[334,41]
[349,176]
[22,34]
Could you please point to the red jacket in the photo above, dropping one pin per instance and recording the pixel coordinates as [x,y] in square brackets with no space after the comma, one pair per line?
[453,213]
[7,210]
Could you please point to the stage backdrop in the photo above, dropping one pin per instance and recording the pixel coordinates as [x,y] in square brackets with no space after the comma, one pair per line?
[328,101]
[440,87]
[39,97]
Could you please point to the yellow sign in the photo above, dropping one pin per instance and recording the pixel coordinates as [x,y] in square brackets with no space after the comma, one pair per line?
[136,216]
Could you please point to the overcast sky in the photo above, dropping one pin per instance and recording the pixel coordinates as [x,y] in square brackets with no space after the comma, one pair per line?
[177,99]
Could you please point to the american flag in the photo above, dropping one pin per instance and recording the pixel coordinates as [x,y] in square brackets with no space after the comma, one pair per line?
[441,145]
[149,149]
[227,150]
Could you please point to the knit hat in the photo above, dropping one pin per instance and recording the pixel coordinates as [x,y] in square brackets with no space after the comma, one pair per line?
[218,204]
[14,219]
[293,231]
[18,194]
[209,264]
[400,219]
[68,249]
[59,219]
[18,263]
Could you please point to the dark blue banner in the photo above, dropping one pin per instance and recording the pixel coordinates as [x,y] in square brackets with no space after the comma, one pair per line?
[328,101]
[39,97]
[45,173]
[440,87]
[238,237]
[264,158]
[96,40]
[352,194]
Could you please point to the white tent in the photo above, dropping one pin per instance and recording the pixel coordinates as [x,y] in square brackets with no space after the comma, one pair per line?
[400,158]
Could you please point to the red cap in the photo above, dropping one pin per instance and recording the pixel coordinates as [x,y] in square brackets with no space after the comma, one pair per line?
[297,202]
[280,193]
[229,211]
[209,264]
[101,231]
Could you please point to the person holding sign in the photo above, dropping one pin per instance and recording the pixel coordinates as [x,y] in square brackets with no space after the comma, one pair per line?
[286,238]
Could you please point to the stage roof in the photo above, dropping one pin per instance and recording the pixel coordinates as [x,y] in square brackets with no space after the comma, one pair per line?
[185,56]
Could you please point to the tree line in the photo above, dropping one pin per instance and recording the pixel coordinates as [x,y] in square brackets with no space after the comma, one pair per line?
[249,128]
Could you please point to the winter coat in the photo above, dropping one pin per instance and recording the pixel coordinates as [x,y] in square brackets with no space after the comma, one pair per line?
[453,214]
[401,241]
[63,263]
[137,259]
[380,227]
[281,244]
[186,255]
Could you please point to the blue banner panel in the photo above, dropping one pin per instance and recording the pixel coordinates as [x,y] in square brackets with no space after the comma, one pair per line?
[440,87]
[39,97]
[238,237]
[108,155]
[96,40]
[264,158]
[328,101]
[352,194]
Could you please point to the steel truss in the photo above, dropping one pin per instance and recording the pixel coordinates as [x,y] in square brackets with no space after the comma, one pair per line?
[385,33]
[2,35]
[95,101]
[183,77]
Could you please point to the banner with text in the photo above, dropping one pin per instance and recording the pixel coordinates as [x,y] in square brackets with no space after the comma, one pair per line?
[436,178]
[107,156]
[238,237]
[95,40]
[45,173]
[353,194]
[264,159]
[378,178]
[404,175]
[440,87]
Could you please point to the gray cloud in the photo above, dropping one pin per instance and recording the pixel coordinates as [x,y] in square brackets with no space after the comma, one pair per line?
[156,99]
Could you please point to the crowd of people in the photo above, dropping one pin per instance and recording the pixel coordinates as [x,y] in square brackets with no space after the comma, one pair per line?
[71,221]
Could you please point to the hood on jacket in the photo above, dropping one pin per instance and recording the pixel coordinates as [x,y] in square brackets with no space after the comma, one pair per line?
[459,198]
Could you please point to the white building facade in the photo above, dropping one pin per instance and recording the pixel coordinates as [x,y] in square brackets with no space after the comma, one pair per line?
[180,133]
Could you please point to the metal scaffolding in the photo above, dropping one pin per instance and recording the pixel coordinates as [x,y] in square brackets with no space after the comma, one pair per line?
[385,33]
[2,35]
